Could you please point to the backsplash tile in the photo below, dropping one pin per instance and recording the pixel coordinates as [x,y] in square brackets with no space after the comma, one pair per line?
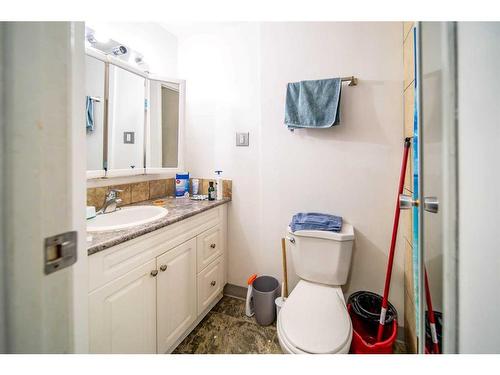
[227,186]
[157,188]
[170,187]
[142,191]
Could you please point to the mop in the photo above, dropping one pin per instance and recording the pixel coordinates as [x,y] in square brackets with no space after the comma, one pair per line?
[392,250]
[431,317]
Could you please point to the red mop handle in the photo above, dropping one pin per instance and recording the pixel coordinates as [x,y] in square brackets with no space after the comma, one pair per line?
[393,242]
[430,314]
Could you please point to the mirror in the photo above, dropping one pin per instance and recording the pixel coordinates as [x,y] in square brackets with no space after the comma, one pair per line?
[134,122]
[164,127]
[94,91]
[126,116]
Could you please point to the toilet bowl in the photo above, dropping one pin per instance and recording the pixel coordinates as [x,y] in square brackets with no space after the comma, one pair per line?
[314,320]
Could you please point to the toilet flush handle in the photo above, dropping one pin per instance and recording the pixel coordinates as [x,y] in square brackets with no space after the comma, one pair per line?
[291,239]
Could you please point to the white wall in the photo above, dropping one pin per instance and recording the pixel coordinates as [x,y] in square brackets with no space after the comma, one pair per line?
[236,80]
[478,140]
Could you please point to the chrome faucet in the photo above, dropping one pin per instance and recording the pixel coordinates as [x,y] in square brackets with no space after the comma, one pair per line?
[110,201]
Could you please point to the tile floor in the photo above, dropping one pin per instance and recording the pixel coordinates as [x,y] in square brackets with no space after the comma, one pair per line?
[227,330]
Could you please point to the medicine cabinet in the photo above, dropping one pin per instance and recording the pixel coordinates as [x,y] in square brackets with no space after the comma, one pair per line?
[135,120]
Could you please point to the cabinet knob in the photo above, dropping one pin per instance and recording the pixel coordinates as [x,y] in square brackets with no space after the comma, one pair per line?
[163,267]
[212,246]
[154,273]
[213,283]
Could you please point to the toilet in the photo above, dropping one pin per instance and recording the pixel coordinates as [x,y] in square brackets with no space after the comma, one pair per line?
[314,318]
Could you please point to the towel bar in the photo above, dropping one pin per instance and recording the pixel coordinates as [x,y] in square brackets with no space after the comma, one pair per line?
[95,98]
[353,81]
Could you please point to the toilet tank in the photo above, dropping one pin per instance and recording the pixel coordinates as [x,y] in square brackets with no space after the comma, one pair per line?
[321,256]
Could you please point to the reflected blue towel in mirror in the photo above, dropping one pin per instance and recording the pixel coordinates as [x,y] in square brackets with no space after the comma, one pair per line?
[316,221]
[313,104]
[90,114]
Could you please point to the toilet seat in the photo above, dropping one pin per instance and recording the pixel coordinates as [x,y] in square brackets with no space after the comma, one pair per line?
[314,319]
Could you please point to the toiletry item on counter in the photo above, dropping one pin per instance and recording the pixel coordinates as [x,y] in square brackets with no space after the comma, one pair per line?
[182,185]
[196,186]
[199,197]
[211,191]
[159,202]
[90,212]
[218,184]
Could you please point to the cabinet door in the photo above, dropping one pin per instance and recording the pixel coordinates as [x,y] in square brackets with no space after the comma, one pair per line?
[123,313]
[176,296]
[210,283]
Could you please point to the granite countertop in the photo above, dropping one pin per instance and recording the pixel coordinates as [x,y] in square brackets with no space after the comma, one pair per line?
[178,209]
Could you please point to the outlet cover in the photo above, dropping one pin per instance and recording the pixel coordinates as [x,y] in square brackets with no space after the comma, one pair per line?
[242,139]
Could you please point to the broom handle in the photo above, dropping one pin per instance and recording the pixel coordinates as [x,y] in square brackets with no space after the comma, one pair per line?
[393,242]
[285,274]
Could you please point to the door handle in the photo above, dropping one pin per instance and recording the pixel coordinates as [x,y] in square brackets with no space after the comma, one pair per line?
[431,204]
[154,273]
[212,246]
[163,267]
[406,202]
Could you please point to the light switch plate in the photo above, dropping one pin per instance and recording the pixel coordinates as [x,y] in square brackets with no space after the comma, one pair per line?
[242,139]
[129,137]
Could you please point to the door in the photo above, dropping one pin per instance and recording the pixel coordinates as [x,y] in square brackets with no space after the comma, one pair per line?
[176,296]
[43,183]
[123,313]
[436,185]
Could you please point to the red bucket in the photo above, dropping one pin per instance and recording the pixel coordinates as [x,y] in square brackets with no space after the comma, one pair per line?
[364,336]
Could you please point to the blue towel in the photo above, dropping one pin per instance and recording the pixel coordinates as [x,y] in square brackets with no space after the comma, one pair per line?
[90,114]
[316,221]
[313,104]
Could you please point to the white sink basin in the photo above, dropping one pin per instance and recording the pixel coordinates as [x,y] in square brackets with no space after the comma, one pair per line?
[125,218]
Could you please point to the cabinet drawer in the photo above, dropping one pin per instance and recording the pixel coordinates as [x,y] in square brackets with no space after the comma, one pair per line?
[210,283]
[209,246]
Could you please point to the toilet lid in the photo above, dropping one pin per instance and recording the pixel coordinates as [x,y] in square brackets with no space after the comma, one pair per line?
[314,318]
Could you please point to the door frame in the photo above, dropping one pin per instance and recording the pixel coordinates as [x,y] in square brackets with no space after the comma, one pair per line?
[449,200]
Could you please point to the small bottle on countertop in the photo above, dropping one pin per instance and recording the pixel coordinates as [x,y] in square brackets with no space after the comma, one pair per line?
[218,186]
[211,191]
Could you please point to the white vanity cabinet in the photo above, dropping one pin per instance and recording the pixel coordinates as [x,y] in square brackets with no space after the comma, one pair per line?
[148,293]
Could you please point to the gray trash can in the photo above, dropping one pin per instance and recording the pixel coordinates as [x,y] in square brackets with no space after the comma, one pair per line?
[265,291]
